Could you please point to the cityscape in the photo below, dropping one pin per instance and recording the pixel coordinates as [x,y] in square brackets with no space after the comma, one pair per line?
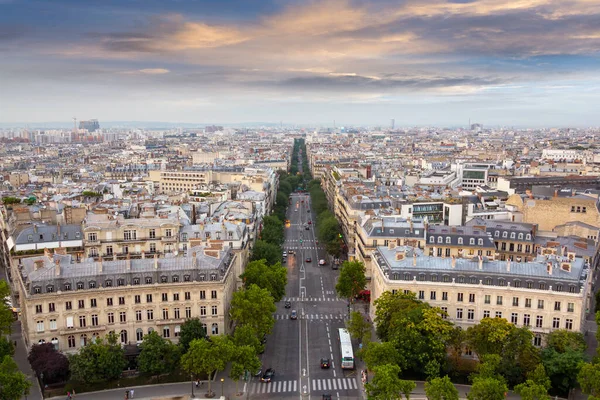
[342,200]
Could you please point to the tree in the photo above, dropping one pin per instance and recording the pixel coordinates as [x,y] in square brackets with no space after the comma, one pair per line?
[158,355]
[6,315]
[441,389]
[254,307]
[244,335]
[46,360]
[270,277]
[245,360]
[589,380]
[536,386]
[99,360]
[269,252]
[352,279]
[6,347]
[562,368]
[272,231]
[191,329]
[563,340]
[13,383]
[11,200]
[487,389]
[406,388]
[204,357]
[357,326]
[385,385]
[375,354]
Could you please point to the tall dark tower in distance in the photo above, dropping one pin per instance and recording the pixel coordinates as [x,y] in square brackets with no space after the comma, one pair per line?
[92,125]
[392,123]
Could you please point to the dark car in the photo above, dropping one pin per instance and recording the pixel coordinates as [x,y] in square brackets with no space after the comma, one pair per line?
[268,375]
[308,259]
[325,363]
[288,304]
[326,397]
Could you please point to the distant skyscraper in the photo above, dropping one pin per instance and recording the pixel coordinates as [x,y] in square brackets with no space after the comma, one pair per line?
[392,123]
[92,125]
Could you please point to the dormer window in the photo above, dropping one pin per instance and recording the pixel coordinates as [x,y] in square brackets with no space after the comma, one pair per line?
[37,290]
[440,239]
[120,282]
[77,235]
[472,241]
[213,277]
[79,285]
[148,280]
[136,281]
[497,234]
[460,240]
[505,234]
[163,279]
[528,237]
[431,239]
[108,283]
[512,235]
[67,286]
[448,239]
[391,231]
[92,285]
[480,242]
[49,288]
[202,277]
[230,234]
[520,236]
[175,278]
[186,278]
[207,234]
[30,238]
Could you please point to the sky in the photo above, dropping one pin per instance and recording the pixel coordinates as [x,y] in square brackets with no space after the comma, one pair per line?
[527,63]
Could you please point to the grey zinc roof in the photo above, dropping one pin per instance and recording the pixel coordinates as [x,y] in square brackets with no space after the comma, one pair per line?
[45,233]
[497,269]
[454,233]
[394,227]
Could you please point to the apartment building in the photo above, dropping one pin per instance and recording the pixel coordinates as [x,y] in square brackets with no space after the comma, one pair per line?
[112,236]
[447,211]
[68,303]
[461,241]
[546,294]
[40,236]
[514,241]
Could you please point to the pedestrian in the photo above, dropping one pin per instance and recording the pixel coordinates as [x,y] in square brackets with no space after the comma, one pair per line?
[131,394]
[15,344]
[73,394]
[197,382]
[127,395]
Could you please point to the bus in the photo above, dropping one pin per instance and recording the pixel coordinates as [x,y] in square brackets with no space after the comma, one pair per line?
[346,349]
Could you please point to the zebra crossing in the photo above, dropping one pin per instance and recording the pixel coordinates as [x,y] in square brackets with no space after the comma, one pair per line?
[312,317]
[292,385]
[304,248]
[274,387]
[334,384]
[297,299]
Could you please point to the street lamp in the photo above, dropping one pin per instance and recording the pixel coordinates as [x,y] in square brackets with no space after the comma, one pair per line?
[222,381]
[192,379]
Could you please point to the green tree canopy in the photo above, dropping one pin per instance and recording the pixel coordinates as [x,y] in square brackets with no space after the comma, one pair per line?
[589,380]
[158,355]
[191,329]
[254,307]
[270,277]
[244,335]
[245,359]
[536,386]
[351,280]
[378,353]
[266,251]
[563,368]
[6,347]
[99,360]
[6,314]
[358,327]
[11,200]
[563,340]
[441,389]
[487,389]
[386,384]
[206,357]
[272,231]
[13,383]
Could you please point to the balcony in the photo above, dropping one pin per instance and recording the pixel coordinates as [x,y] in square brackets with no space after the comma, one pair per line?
[169,238]
[92,242]
[71,331]
[172,321]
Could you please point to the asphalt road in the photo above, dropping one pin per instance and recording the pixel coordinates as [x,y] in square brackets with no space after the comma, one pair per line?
[295,347]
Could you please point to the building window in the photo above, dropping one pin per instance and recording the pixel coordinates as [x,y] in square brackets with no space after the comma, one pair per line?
[555,323]
[557,306]
[121,300]
[71,341]
[186,278]
[176,313]
[139,334]
[445,296]
[152,233]
[188,312]
[421,294]
[165,297]
[459,297]
[472,241]
[526,320]
[175,296]
[67,287]
[150,315]
[498,314]
[40,326]
[166,332]
[499,300]
[148,298]
[214,310]
[108,283]
[528,303]
[542,286]
[109,250]
[38,309]
[202,310]
[168,233]
[514,318]
[80,304]
[163,279]
[444,312]
[213,294]
[459,313]
[568,324]
[137,299]
[470,314]
[94,320]
[487,299]
[570,307]
[486,313]
[460,240]
[541,304]
[111,318]
[471,297]
[517,283]
[539,320]
[431,239]
[123,335]
[515,302]
[136,281]
[92,236]
[501,282]
[109,301]
[165,313]
[202,295]
[138,315]
[537,340]
[188,295]
[215,329]
[68,305]
[432,295]
[93,303]
[148,280]
[122,317]
[446,278]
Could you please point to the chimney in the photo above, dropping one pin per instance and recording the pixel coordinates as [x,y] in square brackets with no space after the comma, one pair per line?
[555,192]
[508,265]
[414,258]
[156,261]
[453,262]
[57,268]
[58,230]
[47,253]
[549,268]
[391,244]
[143,255]
[194,260]
[480,262]
[34,228]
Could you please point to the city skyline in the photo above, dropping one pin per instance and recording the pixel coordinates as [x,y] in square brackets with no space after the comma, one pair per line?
[529,63]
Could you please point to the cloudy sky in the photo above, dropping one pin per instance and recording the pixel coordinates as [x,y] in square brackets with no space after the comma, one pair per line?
[422,62]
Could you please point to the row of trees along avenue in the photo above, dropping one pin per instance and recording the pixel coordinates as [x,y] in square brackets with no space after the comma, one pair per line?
[416,341]
[13,383]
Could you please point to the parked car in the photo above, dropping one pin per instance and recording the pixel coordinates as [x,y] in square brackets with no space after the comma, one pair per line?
[288,304]
[294,314]
[268,375]
[322,262]
[325,363]
[285,253]
[308,259]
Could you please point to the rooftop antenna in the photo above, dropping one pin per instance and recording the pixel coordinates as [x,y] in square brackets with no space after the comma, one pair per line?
[75,124]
